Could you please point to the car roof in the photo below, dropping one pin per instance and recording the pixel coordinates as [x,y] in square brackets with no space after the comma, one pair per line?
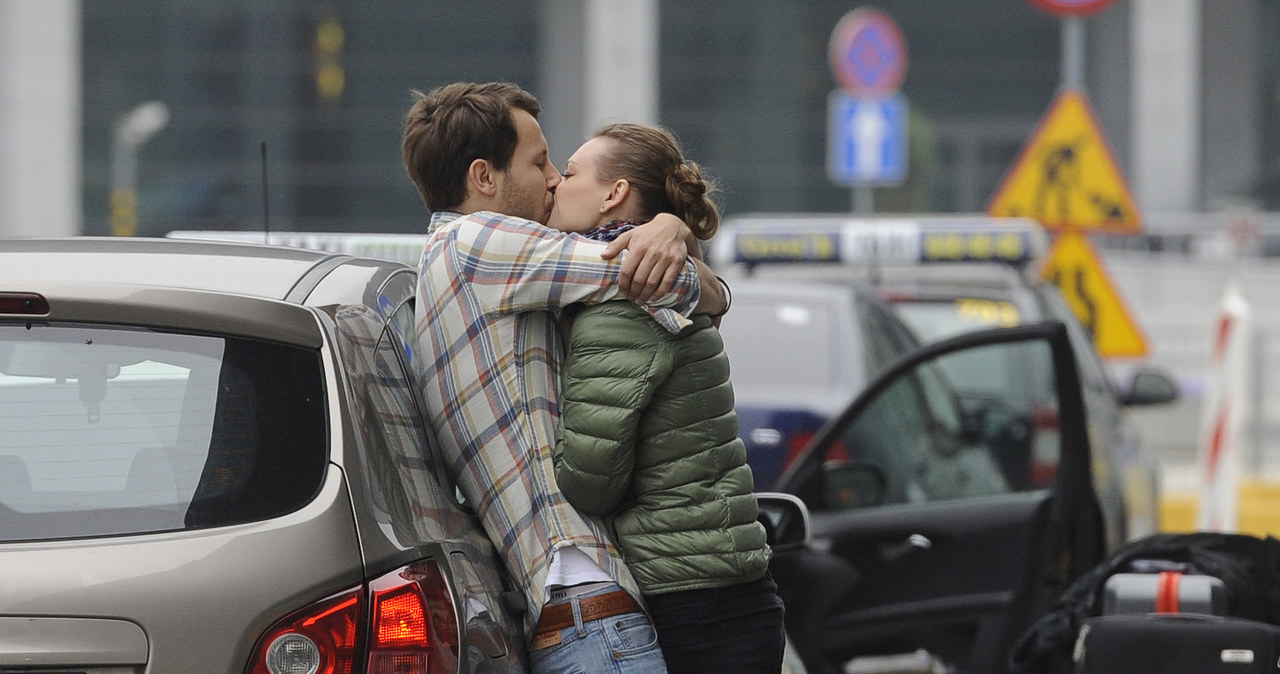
[246,289]
[242,269]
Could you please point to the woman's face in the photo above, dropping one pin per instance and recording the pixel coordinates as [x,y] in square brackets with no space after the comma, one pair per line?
[581,195]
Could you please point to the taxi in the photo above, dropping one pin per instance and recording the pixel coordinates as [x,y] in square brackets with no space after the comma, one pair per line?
[946,275]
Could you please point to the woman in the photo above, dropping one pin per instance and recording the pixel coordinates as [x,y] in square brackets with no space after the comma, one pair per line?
[648,435]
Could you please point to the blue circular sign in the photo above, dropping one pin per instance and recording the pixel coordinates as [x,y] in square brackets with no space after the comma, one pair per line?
[867,52]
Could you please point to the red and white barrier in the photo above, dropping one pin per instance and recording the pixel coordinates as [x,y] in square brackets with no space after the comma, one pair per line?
[1225,414]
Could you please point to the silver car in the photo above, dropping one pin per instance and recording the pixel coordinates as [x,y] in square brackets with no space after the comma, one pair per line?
[212,460]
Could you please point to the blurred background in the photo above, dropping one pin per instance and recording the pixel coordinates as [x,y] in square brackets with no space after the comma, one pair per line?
[193,112]
[1186,91]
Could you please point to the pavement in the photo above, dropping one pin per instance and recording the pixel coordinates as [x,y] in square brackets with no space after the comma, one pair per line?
[1258,509]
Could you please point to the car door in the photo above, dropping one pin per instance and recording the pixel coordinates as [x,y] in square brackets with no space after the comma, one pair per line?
[934,524]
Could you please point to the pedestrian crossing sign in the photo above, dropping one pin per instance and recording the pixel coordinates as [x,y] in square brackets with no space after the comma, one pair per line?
[1066,176]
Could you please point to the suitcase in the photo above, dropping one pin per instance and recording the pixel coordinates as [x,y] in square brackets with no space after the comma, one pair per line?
[1176,643]
[1164,592]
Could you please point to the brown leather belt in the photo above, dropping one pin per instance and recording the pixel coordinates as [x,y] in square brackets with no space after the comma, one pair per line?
[559,616]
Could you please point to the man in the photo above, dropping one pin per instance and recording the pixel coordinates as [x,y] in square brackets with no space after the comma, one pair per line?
[491,280]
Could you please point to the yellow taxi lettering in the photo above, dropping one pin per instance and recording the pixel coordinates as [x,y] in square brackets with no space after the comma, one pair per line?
[795,247]
[987,312]
[980,247]
[944,247]
[1010,247]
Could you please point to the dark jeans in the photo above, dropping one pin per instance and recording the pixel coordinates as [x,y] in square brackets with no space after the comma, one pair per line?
[735,629]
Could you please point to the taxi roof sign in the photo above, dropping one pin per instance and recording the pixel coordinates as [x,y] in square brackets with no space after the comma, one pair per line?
[835,239]
[1066,176]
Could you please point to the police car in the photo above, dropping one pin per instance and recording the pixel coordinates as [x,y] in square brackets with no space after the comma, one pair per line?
[940,276]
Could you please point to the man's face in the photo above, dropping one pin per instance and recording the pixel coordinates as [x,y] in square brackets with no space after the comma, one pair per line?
[527,187]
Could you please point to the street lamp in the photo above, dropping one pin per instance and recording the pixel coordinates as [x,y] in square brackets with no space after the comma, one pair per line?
[132,129]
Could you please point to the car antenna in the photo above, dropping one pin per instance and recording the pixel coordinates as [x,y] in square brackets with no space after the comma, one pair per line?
[266,213]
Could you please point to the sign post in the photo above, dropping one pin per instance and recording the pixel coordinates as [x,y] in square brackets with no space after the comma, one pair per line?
[866,117]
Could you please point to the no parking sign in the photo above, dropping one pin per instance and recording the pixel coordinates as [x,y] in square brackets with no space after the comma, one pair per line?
[866,117]
[867,53]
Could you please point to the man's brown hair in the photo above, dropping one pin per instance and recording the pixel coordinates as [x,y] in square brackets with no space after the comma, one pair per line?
[455,124]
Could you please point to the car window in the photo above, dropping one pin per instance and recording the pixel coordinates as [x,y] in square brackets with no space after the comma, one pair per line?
[758,326]
[927,439]
[940,319]
[887,338]
[1013,371]
[111,431]
[401,460]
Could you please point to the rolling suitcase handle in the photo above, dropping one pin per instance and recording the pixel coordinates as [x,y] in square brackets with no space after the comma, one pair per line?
[1164,592]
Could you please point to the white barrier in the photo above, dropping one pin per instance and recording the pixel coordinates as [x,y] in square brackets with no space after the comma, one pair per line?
[1225,414]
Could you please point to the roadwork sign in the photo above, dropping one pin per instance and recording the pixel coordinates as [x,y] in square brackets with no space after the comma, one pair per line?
[1073,265]
[1066,176]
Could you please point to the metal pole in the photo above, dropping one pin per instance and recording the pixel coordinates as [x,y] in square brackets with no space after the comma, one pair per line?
[1073,52]
[864,199]
[130,132]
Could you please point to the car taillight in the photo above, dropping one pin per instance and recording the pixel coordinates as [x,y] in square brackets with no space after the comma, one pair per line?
[796,444]
[406,617]
[1046,444]
[319,639]
[414,622]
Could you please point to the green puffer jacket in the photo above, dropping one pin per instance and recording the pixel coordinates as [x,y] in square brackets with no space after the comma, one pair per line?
[649,440]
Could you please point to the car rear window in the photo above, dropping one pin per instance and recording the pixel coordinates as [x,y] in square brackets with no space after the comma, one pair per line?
[781,342]
[114,431]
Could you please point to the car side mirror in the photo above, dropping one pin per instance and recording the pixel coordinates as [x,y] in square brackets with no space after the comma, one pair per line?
[1149,386]
[785,519]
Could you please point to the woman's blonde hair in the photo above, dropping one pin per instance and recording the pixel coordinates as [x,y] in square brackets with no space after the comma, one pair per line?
[649,158]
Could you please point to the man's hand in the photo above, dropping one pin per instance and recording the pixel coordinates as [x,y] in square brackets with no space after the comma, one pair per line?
[656,253]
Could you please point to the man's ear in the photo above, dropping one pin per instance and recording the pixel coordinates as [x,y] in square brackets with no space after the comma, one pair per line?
[481,178]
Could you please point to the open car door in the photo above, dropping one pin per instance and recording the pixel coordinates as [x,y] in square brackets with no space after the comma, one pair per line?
[944,516]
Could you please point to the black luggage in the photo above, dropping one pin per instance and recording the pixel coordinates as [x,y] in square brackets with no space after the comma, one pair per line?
[1176,643]
[1248,566]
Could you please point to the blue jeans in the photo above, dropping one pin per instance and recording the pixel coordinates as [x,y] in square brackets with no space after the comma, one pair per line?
[736,629]
[623,644]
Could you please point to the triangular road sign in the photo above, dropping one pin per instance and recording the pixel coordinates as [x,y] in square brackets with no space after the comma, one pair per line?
[1073,265]
[1066,176]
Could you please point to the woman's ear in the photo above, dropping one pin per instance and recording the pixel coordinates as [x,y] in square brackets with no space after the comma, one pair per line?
[481,178]
[617,194]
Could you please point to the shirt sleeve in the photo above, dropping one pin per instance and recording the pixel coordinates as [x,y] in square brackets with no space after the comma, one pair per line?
[515,265]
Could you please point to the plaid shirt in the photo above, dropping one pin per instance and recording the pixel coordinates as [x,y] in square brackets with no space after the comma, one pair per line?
[489,287]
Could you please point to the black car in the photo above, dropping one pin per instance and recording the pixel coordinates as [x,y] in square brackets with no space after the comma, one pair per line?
[934,539]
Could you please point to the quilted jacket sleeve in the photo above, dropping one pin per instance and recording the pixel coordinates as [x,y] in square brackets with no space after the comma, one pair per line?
[616,359]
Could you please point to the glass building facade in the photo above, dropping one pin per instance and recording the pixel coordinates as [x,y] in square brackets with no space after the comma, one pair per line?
[291,109]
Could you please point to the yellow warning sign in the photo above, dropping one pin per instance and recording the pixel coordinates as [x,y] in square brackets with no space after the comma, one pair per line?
[1066,176]
[1074,266]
